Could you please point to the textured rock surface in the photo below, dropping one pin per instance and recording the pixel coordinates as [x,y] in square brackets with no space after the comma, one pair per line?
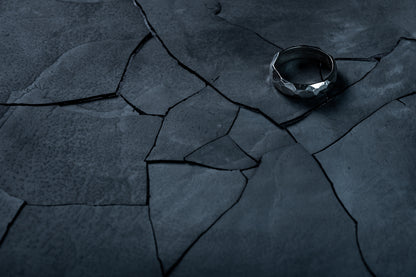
[184,201]
[256,135]
[97,158]
[287,216]
[9,207]
[80,241]
[41,35]
[347,29]
[391,79]
[193,123]
[154,82]
[148,140]
[222,153]
[373,170]
[235,59]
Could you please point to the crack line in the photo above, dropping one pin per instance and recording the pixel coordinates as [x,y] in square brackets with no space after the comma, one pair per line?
[10,224]
[348,213]
[180,63]
[169,271]
[359,122]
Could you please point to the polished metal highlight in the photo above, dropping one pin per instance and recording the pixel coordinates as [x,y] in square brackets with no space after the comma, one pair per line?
[303,90]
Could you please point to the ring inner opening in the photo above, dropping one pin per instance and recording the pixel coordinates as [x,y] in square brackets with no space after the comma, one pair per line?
[304,65]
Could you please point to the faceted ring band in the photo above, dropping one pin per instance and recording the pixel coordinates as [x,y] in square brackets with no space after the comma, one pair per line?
[314,54]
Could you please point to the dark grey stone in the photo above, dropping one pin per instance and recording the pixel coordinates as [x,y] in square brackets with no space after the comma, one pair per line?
[92,153]
[9,207]
[155,82]
[193,123]
[87,70]
[288,223]
[373,171]
[234,59]
[80,241]
[222,153]
[184,201]
[257,135]
[391,79]
[344,28]
[38,36]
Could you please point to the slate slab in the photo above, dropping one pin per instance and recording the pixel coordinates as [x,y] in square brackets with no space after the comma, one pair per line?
[234,59]
[92,153]
[80,241]
[184,201]
[373,171]
[87,70]
[9,208]
[193,123]
[257,135]
[36,35]
[287,223]
[391,79]
[154,81]
[344,28]
[222,153]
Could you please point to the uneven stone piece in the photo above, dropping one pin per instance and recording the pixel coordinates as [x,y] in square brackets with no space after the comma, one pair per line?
[222,153]
[35,34]
[234,59]
[80,241]
[344,28]
[87,70]
[155,82]
[373,169]
[287,223]
[391,79]
[193,123]
[76,154]
[257,135]
[9,207]
[184,201]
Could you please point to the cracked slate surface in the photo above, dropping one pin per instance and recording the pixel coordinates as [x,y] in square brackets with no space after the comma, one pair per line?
[148,141]
[373,170]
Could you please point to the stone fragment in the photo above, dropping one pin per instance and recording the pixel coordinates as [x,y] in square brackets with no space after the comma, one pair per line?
[391,79]
[222,153]
[37,37]
[80,241]
[193,123]
[154,81]
[373,171]
[287,223]
[184,201]
[91,153]
[257,135]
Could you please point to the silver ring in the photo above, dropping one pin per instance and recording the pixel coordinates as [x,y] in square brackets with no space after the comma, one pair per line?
[303,90]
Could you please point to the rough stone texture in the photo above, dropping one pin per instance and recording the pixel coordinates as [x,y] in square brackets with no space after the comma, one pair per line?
[391,79]
[234,59]
[37,34]
[96,158]
[373,170]
[347,29]
[222,153]
[87,70]
[154,82]
[184,201]
[80,241]
[256,135]
[9,207]
[193,123]
[288,223]
[185,98]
